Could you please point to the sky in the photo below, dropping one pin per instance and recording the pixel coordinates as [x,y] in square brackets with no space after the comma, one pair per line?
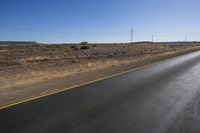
[69,21]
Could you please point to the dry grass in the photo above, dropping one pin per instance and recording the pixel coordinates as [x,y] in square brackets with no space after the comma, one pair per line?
[33,64]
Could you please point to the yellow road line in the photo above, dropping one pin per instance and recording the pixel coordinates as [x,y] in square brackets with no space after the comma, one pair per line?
[69,88]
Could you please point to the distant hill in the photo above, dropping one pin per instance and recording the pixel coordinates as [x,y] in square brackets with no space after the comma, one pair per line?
[17,43]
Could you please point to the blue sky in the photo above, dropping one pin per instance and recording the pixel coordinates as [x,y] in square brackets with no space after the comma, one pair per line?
[99,20]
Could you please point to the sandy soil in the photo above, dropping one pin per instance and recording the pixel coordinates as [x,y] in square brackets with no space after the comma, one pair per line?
[28,71]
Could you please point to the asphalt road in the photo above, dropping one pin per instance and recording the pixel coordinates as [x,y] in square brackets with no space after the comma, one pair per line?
[163,98]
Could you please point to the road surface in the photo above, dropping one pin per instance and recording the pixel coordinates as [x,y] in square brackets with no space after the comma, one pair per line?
[162,98]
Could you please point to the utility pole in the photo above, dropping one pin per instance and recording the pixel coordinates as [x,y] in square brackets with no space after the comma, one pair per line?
[131,36]
[185,38]
[152,38]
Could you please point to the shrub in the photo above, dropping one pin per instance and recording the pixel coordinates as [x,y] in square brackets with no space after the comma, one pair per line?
[85,47]
[84,43]
[72,47]
[73,61]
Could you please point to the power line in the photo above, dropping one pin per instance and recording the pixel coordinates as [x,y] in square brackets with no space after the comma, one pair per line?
[131,33]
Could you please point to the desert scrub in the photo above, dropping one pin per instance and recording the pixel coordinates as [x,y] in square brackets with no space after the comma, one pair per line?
[85,47]
[74,47]
[83,43]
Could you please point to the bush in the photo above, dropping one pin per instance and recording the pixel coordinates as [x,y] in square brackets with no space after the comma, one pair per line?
[84,43]
[72,47]
[85,47]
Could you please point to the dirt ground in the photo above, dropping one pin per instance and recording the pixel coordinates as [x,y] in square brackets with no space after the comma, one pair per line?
[31,70]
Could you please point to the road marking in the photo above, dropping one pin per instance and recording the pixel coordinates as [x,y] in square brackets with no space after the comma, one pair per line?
[75,86]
